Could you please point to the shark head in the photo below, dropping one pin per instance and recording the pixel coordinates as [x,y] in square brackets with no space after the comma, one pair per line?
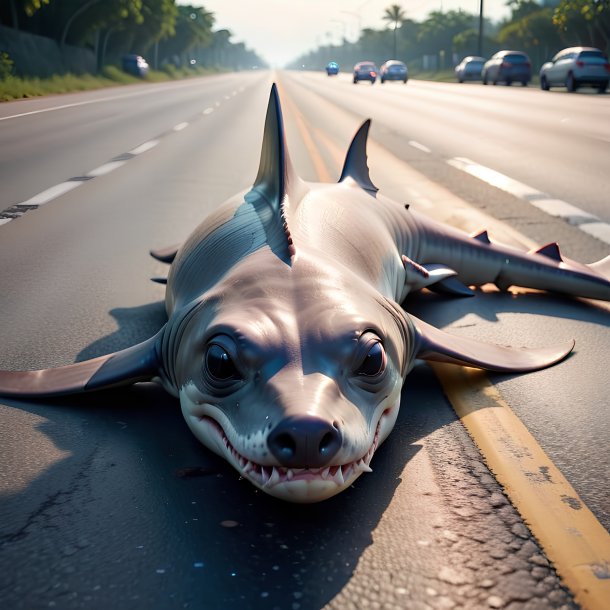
[293,374]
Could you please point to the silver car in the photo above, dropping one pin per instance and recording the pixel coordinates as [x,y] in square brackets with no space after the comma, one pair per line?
[575,67]
[508,67]
[469,68]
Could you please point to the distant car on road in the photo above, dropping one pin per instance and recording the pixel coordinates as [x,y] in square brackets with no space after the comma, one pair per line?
[393,70]
[365,70]
[135,65]
[508,67]
[332,68]
[469,68]
[576,67]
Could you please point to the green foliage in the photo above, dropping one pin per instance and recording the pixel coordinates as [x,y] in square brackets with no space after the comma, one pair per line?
[439,30]
[535,34]
[12,87]
[584,21]
[6,65]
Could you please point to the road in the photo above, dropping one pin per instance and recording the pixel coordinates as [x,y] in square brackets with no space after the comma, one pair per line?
[108,499]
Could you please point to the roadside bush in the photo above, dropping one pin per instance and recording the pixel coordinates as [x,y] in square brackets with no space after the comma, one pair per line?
[118,76]
[6,65]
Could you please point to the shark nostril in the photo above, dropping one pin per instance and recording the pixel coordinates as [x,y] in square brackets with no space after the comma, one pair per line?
[285,446]
[327,444]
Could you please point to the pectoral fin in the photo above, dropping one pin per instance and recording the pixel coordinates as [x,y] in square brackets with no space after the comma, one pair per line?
[138,363]
[440,346]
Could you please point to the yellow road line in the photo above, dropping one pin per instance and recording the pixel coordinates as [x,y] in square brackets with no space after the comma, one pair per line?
[571,536]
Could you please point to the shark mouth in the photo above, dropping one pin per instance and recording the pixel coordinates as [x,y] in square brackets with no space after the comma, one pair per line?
[268,477]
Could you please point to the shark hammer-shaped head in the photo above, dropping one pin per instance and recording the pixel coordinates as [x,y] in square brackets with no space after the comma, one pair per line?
[293,374]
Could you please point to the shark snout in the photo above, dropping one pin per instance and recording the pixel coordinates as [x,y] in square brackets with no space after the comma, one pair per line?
[305,441]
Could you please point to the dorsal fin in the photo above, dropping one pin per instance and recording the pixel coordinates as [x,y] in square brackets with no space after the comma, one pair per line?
[550,250]
[356,165]
[275,174]
[481,236]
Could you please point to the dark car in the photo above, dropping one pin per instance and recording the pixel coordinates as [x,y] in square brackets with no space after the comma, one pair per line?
[469,68]
[135,65]
[393,70]
[508,67]
[575,67]
[332,68]
[365,70]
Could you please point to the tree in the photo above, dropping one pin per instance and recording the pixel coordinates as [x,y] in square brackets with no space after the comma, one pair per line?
[193,29]
[25,8]
[534,33]
[437,33]
[394,15]
[584,21]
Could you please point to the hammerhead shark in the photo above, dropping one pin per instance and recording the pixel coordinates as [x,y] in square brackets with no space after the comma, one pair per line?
[285,340]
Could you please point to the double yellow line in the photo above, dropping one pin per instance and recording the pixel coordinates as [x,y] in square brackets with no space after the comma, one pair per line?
[570,535]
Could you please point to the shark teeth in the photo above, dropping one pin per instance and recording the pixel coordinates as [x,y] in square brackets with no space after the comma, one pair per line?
[267,476]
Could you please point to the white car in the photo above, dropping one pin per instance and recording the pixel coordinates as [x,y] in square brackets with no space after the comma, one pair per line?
[575,67]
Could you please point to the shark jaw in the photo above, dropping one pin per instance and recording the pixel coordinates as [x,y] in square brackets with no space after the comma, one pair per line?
[300,485]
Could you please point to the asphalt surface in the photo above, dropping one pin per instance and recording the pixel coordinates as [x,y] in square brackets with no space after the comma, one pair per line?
[108,499]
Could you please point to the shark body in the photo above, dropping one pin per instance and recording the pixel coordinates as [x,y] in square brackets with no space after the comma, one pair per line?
[285,340]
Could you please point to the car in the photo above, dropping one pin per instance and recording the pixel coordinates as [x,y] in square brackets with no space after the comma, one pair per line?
[575,67]
[135,65]
[507,67]
[365,70]
[332,68]
[469,68]
[393,70]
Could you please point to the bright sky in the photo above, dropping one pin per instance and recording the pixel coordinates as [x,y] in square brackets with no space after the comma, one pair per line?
[281,30]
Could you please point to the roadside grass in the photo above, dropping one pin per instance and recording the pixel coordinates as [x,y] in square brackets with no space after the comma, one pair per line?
[15,87]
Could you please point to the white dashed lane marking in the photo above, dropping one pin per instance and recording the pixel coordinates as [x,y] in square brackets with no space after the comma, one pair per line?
[419,146]
[58,190]
[590,224]
[138,150]
[52,193]
[102,170]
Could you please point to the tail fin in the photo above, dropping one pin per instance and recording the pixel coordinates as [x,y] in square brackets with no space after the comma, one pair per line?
[602,267]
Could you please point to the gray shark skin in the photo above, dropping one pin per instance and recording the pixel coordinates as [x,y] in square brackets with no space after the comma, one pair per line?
[285,340]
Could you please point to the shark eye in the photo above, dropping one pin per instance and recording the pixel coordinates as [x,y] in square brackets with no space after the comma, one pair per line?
[219,365]
[374,362]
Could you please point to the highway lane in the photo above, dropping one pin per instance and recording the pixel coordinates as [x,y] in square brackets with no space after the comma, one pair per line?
[558,144]
[50,140]
[110,500]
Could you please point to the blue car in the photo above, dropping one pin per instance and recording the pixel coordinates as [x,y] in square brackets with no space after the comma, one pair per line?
[365,70]
[332,68]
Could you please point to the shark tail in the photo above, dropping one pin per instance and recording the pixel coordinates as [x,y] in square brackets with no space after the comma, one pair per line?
[477,261]
[601,267]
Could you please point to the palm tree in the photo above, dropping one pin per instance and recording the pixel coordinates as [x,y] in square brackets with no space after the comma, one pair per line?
[394,15]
